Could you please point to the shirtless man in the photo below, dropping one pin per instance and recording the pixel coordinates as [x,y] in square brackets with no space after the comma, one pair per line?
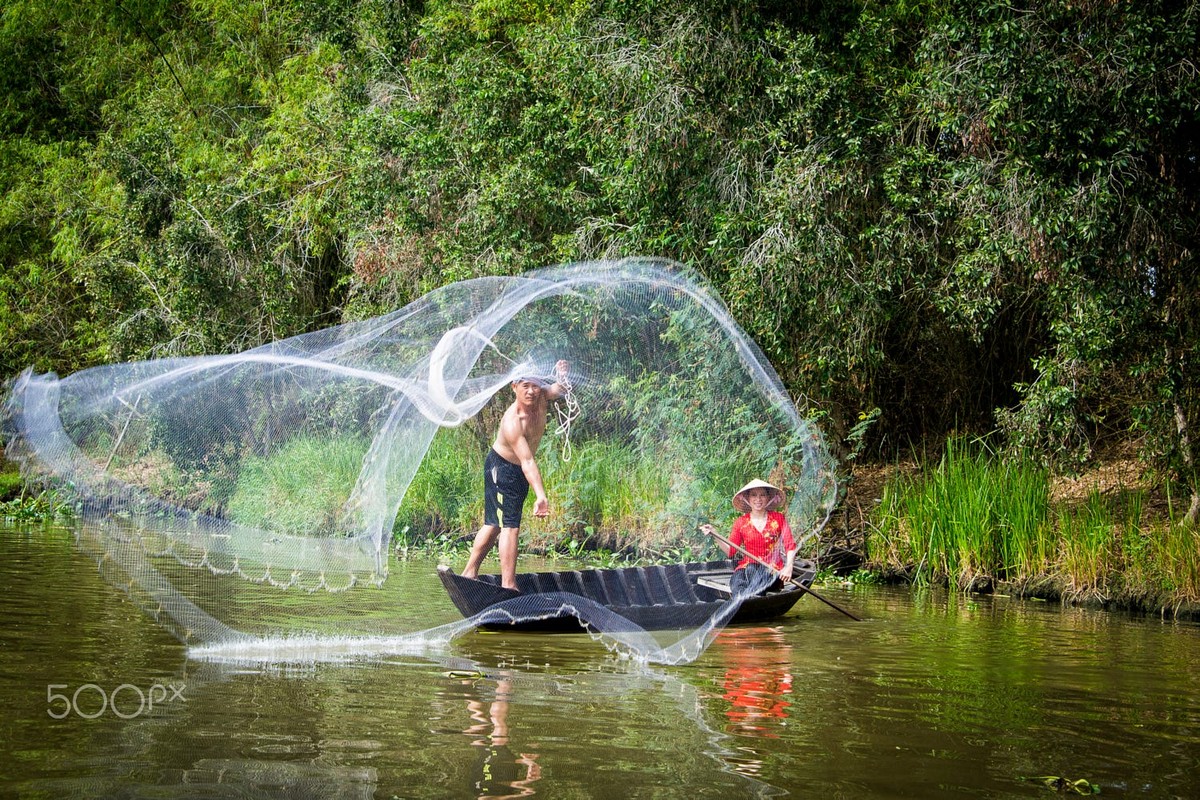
[510,470]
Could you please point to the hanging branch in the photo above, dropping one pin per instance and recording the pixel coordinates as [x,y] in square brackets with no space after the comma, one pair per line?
[154,43]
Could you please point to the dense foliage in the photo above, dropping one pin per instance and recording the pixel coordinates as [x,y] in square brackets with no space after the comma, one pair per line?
[931,216]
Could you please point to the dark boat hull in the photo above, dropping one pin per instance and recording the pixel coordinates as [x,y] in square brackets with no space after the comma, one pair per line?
[663,597]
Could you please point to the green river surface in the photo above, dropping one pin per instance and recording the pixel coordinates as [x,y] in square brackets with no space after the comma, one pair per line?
[932,695]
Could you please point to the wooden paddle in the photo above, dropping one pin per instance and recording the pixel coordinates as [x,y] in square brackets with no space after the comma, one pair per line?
[775,572]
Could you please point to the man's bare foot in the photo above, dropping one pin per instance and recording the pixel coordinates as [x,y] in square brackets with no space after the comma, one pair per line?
[510,588]
[469,573]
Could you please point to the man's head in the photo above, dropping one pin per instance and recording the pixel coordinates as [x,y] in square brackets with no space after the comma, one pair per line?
[529,388]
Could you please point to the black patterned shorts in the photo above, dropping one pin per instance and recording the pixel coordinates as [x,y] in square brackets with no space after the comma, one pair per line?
[504,491]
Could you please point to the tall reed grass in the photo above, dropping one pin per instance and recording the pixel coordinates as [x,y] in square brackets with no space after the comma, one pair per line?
[973,518]
[445,497]
[1087,552]
[969,517]
[606,490]
[605,496]
[616,496]
[1177,551]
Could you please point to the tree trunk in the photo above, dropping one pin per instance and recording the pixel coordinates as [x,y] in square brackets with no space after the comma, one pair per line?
[1185,449]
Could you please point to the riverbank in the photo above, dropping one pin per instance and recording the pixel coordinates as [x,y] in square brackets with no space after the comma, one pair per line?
[1106,538]
[21,503]
[10,479]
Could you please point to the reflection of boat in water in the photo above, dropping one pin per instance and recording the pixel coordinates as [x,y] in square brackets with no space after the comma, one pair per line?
[662,597]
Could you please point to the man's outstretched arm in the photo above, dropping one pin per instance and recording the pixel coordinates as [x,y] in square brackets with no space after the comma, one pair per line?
[558,389]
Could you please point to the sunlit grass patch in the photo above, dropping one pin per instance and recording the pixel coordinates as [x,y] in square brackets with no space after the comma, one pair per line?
[299,489]
[445,498]
[11,484]
[597,496]
[1177,551]
[1087,536]
[605,497]
[607,487]
[971,517]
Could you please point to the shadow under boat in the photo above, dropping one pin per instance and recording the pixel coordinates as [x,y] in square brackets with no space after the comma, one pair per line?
[660,597]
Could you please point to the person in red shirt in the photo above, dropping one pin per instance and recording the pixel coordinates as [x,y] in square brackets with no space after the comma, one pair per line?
[762,531]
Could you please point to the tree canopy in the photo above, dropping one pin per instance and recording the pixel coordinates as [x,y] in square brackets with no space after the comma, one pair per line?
[932,217]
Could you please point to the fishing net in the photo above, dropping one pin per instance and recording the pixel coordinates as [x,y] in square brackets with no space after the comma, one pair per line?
[257,498]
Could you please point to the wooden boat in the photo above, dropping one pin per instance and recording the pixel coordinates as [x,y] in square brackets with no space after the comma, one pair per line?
[663,597]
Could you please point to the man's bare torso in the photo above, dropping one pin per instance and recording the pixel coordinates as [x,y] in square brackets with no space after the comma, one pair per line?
[524,418]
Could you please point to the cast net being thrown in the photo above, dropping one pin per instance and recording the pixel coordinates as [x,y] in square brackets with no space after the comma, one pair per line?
[256,495]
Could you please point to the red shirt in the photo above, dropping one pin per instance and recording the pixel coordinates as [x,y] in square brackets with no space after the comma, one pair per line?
[763,543]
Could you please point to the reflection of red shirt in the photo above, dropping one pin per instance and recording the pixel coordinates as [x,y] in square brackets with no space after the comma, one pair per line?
[756,695]
[763,543]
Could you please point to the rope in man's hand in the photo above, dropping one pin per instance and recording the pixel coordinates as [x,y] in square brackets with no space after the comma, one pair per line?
[567,411]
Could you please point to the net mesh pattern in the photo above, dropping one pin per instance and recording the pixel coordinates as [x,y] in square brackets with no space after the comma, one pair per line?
[254,495]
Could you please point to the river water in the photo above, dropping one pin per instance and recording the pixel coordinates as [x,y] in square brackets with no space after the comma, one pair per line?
[930,696]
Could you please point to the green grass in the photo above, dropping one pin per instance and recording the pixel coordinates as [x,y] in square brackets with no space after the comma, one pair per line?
[605,492]
[967,520]
[599,492]
[973,518]
[613,497]
[968,517]
[605,499]
[1177,551]
[11,486]
[19,503]
[445,497]
[1087,553]
[299,489]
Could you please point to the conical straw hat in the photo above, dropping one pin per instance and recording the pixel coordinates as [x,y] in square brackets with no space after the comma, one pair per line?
[773,503]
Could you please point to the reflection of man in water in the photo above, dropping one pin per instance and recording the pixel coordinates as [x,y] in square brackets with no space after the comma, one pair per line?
[496,771]
[758,681]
